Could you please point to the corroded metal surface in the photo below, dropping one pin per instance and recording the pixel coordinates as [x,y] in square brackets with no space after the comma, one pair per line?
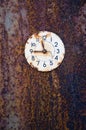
[31,100]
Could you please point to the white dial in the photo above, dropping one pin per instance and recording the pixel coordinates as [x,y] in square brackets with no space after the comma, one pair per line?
[44,51]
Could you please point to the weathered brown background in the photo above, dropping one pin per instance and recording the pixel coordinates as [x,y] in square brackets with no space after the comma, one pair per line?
[32,100]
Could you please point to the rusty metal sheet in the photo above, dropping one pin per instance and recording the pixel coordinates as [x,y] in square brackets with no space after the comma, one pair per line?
[31,100]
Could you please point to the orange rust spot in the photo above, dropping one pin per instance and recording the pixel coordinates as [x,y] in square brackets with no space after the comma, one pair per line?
[59,63]
[36,35]
[33,66]
[30,37]
[49,34]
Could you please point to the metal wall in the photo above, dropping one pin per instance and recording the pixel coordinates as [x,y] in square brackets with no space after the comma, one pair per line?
[32,100]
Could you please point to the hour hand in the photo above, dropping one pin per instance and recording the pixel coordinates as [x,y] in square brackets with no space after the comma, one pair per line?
[43,51]
[38,51]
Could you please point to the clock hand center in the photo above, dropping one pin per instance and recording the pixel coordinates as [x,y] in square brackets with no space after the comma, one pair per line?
[44,51]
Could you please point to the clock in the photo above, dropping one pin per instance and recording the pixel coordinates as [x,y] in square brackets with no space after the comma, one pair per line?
[44,51]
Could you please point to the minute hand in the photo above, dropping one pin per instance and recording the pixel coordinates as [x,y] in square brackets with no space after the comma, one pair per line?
[42,45]
[44,50]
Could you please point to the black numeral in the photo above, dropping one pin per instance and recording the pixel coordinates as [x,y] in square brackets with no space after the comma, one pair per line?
[33,58]
[31,50]
[58,51]
[37,39]
[44,37]
[44,65]
[51,39]
[56,44]
[51,63]
[33,44]
[56,57]
[37,62]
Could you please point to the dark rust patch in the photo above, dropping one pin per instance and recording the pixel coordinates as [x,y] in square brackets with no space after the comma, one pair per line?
[30,99]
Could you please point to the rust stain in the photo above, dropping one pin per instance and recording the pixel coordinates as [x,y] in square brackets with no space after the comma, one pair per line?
[30,99]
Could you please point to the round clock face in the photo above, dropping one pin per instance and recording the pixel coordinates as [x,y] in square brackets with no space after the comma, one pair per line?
[44,51]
